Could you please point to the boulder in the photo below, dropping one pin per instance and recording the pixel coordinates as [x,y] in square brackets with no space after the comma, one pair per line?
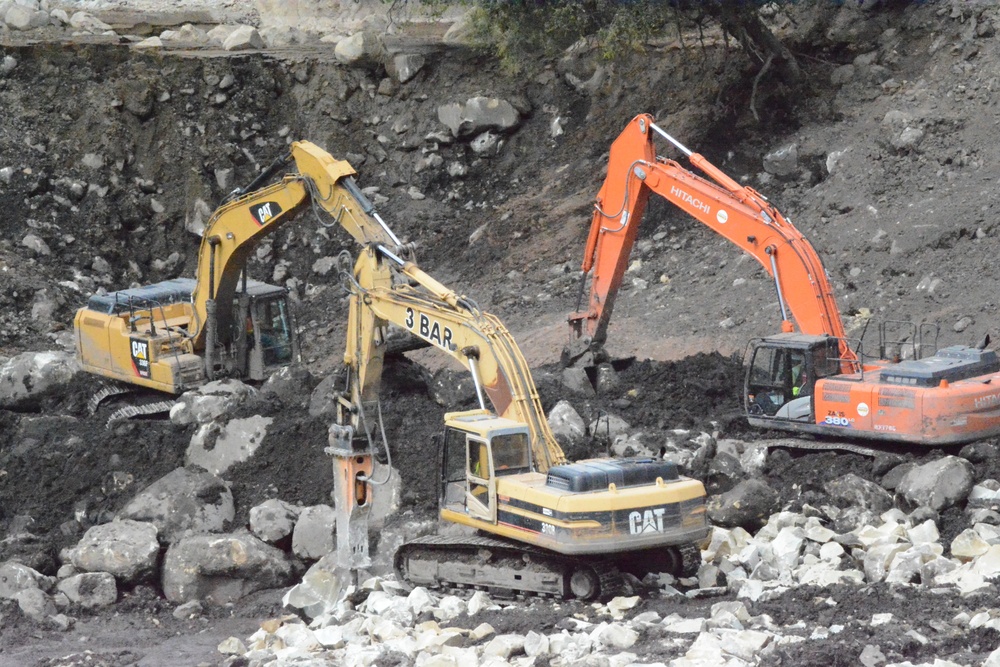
[405,66]
[186,500]
[210,401]
[323,399]
[273,520]
[88,23]
[24,377]
[276,37]
[567,425]
[321,587]
[477,115]
[291,385]
[219,569]
[242,38]
[313,536]
[90,589]
[858,492]
[783,162]
[938,484]
[220,33]
[747,505]
[452,388]
[126,549]
[608,428]
[16,577]
[20,17]
[363,49]
[216,447]
[188,34]
[36,605]
[149,43]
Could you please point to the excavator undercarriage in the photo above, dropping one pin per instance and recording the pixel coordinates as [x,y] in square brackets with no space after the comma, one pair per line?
[505,568]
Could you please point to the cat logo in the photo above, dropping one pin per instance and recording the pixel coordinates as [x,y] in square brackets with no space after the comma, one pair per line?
[140,356]
[648,521]
[263,213]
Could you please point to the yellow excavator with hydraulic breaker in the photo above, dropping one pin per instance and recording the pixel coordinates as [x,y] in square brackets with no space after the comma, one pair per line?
[545,526]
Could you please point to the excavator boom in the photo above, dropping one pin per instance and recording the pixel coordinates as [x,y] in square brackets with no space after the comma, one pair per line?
[452,324]
[736,212]
[238,226]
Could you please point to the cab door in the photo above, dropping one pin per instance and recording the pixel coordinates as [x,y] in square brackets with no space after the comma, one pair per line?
[480,491]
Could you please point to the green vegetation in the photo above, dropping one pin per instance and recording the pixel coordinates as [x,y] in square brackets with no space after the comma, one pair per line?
[521,32]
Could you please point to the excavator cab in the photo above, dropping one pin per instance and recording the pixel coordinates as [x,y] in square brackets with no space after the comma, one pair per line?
[479,448]
[782,375]
[262,336]
[272,343]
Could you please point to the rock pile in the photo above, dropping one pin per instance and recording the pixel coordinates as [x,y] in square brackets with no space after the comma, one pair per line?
[383,621]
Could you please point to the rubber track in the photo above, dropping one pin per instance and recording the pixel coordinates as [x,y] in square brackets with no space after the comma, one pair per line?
[611,581]
[130,411]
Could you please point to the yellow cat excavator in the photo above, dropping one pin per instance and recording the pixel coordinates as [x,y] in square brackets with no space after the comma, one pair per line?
[178,334]
[547,527]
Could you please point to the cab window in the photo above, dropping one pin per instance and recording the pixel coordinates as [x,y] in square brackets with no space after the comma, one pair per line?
[479,463]
[275,334]
[511,453]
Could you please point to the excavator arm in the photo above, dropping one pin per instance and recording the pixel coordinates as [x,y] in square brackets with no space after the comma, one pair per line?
[253,214]
[738,213]
[453,324]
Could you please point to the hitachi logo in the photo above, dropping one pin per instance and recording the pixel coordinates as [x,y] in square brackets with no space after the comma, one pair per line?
[688,199]
[984,402]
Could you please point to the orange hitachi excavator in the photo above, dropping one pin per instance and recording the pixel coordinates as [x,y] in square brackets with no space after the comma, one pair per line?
[808,379]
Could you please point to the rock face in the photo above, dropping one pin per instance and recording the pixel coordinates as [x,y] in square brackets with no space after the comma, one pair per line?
[186,500]
[220,569]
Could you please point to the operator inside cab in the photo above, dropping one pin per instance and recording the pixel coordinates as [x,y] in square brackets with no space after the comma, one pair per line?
[782,388]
